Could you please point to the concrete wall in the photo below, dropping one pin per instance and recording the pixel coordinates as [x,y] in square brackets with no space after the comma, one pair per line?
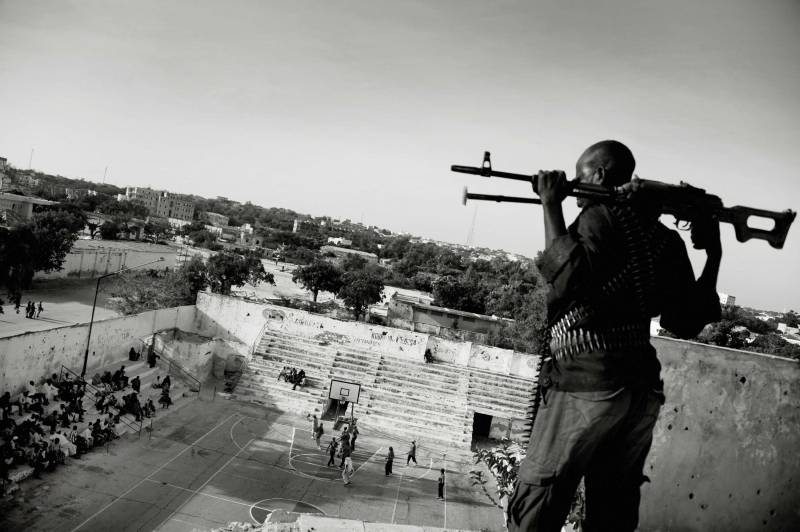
[34,355]
[233,318]
[725,449]
[229,318]
[87,260]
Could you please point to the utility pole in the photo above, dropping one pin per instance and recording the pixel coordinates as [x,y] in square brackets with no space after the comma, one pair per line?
[471,234]
[105,173]
[30,160]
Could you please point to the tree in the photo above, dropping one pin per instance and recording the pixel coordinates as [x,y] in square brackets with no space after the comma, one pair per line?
[157,229]
[791,319]
[38,245]
[227,269]
[109,230]
[360,289]
[318,276]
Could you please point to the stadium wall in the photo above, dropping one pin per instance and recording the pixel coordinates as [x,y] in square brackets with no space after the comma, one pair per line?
[34,355]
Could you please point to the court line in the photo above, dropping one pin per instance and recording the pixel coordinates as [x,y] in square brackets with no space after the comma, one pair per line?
[397,496]
[204,484]
[367,460]
[224,499]
[162,466]
[231,433]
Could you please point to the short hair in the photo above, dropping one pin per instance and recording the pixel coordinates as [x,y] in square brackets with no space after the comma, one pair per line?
[615,157]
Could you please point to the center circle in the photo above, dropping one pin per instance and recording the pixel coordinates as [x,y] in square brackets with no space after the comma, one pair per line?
[260,510]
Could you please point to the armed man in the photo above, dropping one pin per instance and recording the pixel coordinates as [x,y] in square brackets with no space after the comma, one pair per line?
[609,272]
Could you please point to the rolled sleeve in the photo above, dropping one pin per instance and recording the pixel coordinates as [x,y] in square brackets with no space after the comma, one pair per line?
[575,261]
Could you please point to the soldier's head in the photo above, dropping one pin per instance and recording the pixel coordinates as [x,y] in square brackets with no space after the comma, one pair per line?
[608,163]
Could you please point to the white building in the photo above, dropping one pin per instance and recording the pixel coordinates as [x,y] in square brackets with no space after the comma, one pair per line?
[726,300]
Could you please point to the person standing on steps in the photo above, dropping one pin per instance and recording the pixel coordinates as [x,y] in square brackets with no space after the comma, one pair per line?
[412,453]
[314,424]
[441,485]
[389,461]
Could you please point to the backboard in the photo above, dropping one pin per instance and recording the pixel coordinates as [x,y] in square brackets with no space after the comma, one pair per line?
[344,391]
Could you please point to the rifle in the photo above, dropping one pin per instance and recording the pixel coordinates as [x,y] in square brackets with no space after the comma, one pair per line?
[685,202]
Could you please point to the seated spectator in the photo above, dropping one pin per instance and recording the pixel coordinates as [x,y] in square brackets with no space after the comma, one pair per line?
[428,356]
[136,384]
[119,380]
[5,405]
[63,416]
[23,402]
[284,374]
[96,379]
[107,378]
[157,384]
[133,356]
[165,400]
[300,379]
[166,384]
[50,391]
[149,408]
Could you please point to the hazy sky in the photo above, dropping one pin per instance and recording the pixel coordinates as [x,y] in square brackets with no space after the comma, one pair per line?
[357,109]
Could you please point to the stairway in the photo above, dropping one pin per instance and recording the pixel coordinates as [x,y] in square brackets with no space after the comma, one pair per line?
[433,404]
[259,381]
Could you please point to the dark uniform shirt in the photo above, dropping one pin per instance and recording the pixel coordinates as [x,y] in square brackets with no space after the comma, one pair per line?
[586,269]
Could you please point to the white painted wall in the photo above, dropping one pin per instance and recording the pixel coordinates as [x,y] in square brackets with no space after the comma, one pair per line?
[34,355]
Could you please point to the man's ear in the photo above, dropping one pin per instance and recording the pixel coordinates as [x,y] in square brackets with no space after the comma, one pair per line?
[600,175]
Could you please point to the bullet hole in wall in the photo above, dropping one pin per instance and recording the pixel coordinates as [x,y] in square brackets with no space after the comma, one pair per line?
[669,427]
[703,506]
[743,379]
[691,495]
[758,492]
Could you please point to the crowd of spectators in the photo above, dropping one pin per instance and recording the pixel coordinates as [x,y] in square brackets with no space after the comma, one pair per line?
[45,430]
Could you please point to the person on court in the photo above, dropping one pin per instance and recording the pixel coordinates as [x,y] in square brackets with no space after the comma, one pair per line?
[332,446]
[441,485]
[608,273]
[347,472]
[412,453]
[389,461]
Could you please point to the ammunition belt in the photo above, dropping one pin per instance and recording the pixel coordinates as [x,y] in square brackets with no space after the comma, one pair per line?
[570,343]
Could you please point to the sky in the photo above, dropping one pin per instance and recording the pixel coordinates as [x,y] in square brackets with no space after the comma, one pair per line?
[356,109]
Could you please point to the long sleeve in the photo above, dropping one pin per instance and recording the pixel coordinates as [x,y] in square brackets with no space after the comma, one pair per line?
[687,306]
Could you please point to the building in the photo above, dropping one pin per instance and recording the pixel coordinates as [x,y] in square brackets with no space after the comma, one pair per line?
[161,203]
[216,219]
[77,193]
[3,163]
[413,314]
[726,300]
[342,253]
[339,241]
[14,207]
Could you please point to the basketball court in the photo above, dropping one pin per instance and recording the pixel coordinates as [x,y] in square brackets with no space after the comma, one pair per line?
[216,462]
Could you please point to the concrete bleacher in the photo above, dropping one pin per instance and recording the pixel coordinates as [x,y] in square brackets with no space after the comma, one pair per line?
[259,381]
[180,392]
[433,404]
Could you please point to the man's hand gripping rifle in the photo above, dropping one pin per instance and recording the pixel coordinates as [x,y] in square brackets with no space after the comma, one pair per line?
[685,202]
